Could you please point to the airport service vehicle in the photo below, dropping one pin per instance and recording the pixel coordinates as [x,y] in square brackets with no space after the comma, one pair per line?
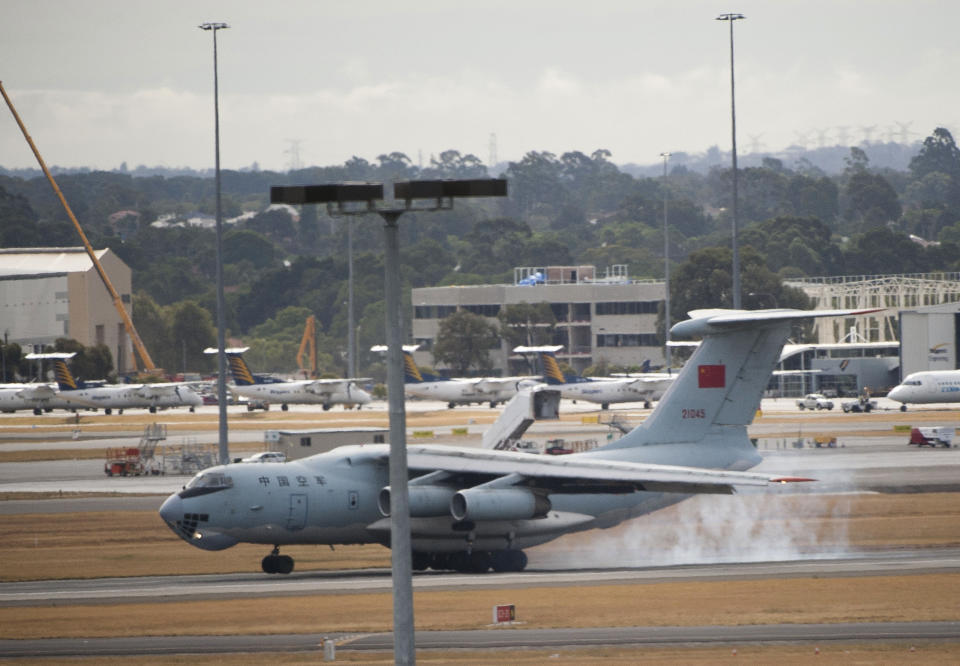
[475,509]
[265,457]
[932,436]
[815,401]
[604,390]
[931,386]
[861,404]
[261,390]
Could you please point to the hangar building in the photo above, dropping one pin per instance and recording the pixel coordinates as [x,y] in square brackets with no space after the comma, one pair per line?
[55,292]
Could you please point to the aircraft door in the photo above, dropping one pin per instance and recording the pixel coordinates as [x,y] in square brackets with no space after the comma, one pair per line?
[297,517]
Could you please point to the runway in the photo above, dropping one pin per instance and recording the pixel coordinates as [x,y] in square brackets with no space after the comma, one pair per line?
[866,460]
[513,638]
[259,585]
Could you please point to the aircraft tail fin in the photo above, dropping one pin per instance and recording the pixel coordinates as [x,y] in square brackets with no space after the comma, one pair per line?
[65,378]
[720,387]
[238,367]
[552,374]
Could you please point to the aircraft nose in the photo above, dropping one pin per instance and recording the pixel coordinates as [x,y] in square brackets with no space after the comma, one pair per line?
[896,393]
[172,510]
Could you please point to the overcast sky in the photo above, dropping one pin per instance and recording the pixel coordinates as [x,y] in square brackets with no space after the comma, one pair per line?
[101,82]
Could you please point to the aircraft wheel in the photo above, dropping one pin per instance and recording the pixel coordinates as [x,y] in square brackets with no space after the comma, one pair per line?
[459,561]
[605,405]
[249,407]
[107,410]
[326,406]
[37,411]
[508,560]
[479,561]
[421,561]
[646,404]
[269,564]
[284,407]
[903,408]
[193,409]
[439,561]
[493,405]
[285,564]
[153,409]
[451,405]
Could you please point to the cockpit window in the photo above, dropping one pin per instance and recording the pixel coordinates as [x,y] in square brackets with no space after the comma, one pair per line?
[912,382]
[206,482]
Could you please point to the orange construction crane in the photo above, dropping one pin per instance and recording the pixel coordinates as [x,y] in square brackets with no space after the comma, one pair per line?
[309,339]
[117,302]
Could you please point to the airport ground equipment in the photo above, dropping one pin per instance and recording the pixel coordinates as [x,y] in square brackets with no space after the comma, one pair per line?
[139,460]
[932,436]
[527,406]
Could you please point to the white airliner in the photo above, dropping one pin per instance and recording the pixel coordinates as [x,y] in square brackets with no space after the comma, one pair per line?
[74,394]
[475,509]
[458,391]
[35,397]
[325,392]
[604,390]
[931,386]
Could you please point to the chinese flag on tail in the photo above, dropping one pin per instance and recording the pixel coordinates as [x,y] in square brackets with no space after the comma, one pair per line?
[712,376]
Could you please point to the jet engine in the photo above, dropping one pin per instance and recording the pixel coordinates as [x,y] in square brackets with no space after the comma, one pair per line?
[425,501]
[498,504]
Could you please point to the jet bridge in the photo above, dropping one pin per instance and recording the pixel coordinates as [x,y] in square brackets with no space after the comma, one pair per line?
[529,404]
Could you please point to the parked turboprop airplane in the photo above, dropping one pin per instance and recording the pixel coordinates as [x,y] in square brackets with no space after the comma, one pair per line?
[75,394]
[35,397]
[605,390]
[325,392]
[931,386]
[460,391]
[475,509]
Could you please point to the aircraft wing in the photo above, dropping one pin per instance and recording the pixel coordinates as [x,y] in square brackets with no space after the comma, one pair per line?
[156,390]
[496,383]
[577,473]
[37,392]
[322,386]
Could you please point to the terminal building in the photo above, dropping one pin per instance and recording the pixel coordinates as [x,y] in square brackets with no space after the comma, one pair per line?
[600,318]
[613,318]
[55,292]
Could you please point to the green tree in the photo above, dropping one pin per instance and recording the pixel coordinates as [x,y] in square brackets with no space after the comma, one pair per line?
[464,340]
[191,331]
[154,329]
[704,281]
[527,323]
[93,362]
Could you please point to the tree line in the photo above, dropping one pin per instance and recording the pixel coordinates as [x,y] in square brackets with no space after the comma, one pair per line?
[282,264]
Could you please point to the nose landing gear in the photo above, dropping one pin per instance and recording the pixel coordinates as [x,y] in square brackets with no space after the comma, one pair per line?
[275,563]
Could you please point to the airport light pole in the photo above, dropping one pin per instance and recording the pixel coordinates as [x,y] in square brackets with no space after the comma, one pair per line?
[666,265]
[349,199]
[224,447]
[730,18]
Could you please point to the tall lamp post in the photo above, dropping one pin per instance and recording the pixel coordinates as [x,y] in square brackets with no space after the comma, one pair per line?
[733,122]
[666,265]
[431,195]
[224,450]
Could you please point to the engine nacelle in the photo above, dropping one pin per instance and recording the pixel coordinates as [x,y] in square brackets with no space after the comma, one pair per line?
[498,504]
[425,501]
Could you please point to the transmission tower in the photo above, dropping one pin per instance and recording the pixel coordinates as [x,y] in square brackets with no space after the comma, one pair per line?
[294,152]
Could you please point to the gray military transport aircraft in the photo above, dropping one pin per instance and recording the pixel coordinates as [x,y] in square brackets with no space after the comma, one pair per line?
[476,509]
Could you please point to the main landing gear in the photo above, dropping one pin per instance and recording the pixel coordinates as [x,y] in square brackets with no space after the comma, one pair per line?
[476,561]
[275,563]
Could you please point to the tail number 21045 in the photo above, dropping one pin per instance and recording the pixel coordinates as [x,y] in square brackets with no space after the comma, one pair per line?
[693,413]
